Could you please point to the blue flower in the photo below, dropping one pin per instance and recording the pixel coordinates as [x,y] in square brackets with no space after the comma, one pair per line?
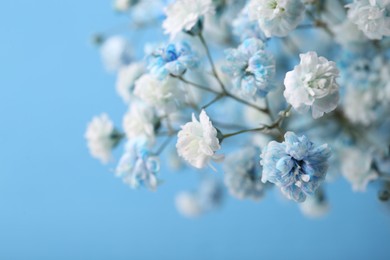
[173,59]
[138,166]
[297,166]
[251,68]
[243,174]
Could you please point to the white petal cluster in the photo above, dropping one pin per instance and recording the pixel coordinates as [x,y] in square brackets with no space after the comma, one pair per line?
[312,84]
[314,206]
[100,137]
[122,5]
[276,17]
[371,16]
[184,14]
[162,94]
[126,79]
[348,35]
[140,120]
[116,53]
[197,142]
[356,168]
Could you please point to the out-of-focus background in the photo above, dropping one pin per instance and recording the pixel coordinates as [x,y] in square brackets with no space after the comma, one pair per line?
[57,202]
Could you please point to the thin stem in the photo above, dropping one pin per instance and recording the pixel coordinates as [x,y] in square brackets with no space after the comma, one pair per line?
[213,101]
[245,131]
[163,145]
[196,85]
[264,110]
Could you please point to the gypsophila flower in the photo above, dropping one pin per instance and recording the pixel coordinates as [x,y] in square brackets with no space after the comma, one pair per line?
[101,137]
[164,95]
[356,168]
[197,142]
[348,35]
[243,174]
[138,166]
[244,28]
[296,165]
[315,206]
[140,120]
[183,15]
[172,59]
[312,84]
[126,79]
[251,68]
[371,16]
[276,17]
[116,53]
[124,5]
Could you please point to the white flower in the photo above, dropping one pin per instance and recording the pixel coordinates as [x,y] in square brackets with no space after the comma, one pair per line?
[359,105]
[126,80]
[163,94]
[115,52]
[188,204]
[184,14]
[371,16]
[315,206]
[122,5]
[140,120]
[101,137]
[348,35]
[312,84]
[356,168]
[276,17]
[197,142]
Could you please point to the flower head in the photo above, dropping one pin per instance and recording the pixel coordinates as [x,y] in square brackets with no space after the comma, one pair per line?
[138,166]
[172,59]
[315,206]
[101,137]
[184,14]
[245,28]
[243,174]
[251,68]
[116,53]
[126,79]
[371,16]
[312,84]
[197,141]
[276,17]
[297,166]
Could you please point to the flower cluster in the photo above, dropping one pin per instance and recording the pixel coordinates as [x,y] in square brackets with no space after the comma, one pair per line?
[257,67]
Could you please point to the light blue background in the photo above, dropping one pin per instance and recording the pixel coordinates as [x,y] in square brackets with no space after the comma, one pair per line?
[56,202]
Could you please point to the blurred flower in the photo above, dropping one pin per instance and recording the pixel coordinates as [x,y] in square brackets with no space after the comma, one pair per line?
[315,206]
[173,59]
[184,14]
[251,68]
[276,17]
[126,79]
[312,84]
[124,5]
[101,137]
[138,166]
[197,142]
[140,120]
[348,35]
[371,16]
[244,28]
[243,174]
[116,53]
[164,95]
[356,168]
[297,166]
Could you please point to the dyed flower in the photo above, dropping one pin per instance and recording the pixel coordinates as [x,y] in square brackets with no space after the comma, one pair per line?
[101,137]
[371,16]
[243,174]
[173,59]
[185,14]
[140,120]
[276,17]
[126,79]
[356,168]
[312,84]
[165,95]
[251,68]
[197,142]
[138,166]
[297,166]
[116,53]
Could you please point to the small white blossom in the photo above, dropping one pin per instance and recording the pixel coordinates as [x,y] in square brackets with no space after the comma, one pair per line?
[276,17]
[116,53]
[184,14]
[162,94]
[188,204]
[315,206]
[123,5]
[348,35]
[197,142]
[126,79]
[360,104]
[312,84]
[140,120]
[356,168]
[371,16]
[101,137]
